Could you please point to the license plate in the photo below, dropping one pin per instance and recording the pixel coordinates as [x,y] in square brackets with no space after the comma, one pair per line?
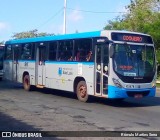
[138,96]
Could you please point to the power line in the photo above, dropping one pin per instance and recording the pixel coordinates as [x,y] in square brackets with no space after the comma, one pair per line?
[96,12]
[51,18]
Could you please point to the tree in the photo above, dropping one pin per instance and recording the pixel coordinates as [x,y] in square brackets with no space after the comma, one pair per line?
[142,16]
[29,34]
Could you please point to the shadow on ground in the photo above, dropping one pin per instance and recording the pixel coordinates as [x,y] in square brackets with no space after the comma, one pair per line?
[130,102]
[10,124]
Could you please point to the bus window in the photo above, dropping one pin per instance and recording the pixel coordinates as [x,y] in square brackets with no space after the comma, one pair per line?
[16,51]
[52,50]
[65,51]
[27,52]
[83,50]
[8,55]
[1,58]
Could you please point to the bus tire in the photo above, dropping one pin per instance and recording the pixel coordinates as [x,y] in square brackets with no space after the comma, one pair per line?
[26,83]
[81,91]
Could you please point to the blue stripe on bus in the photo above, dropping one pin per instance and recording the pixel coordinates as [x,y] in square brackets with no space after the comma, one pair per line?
[57,37]
[55,62]
[67,62]
[31,61]
[115,92]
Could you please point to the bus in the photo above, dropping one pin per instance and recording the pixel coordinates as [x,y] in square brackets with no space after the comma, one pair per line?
[1,61]
[109,63]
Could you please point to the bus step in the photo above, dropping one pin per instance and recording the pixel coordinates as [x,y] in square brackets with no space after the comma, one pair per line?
[40,86]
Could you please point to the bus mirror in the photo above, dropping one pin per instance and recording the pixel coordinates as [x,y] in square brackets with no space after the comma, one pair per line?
[111,51]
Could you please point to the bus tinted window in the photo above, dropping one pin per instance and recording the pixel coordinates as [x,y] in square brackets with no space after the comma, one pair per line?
[52,50]
[27,52]
[83,50]
[8,54]
[1,57]
[65,51]
[16,51]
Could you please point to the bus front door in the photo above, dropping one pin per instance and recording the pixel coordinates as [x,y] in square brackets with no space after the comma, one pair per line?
[41,55]
[15,64]
[101,70]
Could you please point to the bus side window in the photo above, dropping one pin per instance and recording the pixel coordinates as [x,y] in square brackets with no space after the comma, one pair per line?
[82,48]
[65,50]
[89,56]
[8,54]
[26,52]
[52,50]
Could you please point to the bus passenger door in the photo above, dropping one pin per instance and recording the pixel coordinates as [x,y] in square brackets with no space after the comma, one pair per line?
[41,56]
[15,66]
[101,70]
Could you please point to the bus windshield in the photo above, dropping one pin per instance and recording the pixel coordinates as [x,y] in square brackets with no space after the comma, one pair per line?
[136,61]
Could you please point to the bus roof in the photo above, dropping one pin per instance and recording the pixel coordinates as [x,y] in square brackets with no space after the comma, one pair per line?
[70,36]
[125,31]
[56,37]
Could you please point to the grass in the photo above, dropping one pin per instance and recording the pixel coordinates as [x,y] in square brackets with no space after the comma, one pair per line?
[158,79]
[158,85]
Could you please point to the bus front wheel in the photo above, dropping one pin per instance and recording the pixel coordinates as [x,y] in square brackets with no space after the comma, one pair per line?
[81,91]
[26,83]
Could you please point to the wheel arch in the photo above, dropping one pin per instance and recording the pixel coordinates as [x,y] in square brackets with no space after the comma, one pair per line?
[76,81]
[25,73]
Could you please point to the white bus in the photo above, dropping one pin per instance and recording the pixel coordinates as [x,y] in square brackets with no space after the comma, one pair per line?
[109,64]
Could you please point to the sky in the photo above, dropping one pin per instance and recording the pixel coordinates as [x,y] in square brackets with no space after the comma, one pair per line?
[47,15]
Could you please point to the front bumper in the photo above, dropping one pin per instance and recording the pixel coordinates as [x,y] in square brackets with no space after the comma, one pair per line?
[115,92]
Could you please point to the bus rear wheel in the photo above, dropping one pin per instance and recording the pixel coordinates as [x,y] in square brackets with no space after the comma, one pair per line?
[26,83]
[81,91]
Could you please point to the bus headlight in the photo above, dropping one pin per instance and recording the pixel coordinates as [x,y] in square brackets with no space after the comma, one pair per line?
[153,84]
[117,83]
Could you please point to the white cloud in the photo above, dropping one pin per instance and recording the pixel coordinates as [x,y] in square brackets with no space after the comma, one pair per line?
[75,16]
[3,26]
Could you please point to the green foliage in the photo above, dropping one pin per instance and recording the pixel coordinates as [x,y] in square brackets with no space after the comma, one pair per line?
[29,34]
[142,16]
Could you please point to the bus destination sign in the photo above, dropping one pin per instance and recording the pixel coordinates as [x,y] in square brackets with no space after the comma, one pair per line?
[131,38]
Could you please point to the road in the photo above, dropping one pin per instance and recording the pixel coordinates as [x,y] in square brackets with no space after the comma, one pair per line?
[52,110]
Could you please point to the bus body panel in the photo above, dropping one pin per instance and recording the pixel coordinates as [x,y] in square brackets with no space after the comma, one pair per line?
[26,66]
[8,70]
[61,75]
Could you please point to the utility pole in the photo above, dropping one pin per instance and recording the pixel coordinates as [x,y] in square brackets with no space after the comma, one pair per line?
[64,20]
